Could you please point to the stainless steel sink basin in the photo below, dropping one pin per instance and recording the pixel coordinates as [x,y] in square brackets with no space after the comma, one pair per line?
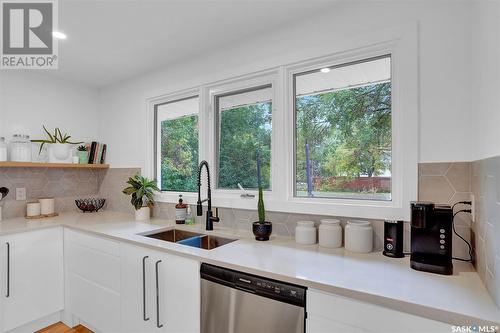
[202,241]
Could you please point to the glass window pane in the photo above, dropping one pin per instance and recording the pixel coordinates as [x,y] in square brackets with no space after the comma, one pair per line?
[344,132]
[178,145]
[244,124]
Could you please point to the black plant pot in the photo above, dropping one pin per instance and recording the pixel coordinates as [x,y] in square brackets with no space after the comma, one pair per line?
[262,231]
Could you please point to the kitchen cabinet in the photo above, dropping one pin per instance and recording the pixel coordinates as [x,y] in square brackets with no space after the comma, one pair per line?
[93,289]
[161,292]
[32,276]
[332,313]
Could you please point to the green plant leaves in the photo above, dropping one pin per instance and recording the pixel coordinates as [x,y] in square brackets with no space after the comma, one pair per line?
[57,137]
[141,191]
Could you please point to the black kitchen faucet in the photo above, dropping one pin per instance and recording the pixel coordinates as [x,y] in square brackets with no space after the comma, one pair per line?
[199,209]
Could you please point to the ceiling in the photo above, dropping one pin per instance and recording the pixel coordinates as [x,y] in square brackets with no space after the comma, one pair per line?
[112,40]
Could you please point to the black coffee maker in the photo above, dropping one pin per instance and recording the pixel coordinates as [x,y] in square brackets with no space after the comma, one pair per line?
[431,237]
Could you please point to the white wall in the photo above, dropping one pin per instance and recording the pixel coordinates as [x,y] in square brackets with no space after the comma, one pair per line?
[487,78]
[445,73]
[29,100]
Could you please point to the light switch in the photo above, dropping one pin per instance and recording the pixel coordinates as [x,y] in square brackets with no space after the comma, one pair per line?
[21,193]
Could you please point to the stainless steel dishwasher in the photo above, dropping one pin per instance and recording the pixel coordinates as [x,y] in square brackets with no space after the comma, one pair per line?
[236,302]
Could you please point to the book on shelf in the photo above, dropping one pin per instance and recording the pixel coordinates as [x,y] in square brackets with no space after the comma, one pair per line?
[97,152]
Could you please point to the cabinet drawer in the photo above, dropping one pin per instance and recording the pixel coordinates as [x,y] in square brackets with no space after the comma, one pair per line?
[365,316]
[98,267]
[93,242]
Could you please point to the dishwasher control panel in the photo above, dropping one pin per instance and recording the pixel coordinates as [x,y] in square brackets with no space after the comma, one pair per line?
[280,291]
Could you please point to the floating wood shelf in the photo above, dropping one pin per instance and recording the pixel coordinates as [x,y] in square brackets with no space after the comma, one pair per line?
[52,165]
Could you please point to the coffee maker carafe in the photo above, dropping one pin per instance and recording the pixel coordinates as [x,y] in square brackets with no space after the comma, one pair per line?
[431,237]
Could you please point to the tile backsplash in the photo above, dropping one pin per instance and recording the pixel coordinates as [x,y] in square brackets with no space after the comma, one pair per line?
[485,184]
[65,185]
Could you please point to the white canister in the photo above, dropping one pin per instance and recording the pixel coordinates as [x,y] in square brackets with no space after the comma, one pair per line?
[47,206]
[359,236]
[33,209]
[330,233]
[305,233]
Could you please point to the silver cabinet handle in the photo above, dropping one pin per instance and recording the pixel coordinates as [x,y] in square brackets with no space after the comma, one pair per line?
[8,270]
[144,289]
[158,297]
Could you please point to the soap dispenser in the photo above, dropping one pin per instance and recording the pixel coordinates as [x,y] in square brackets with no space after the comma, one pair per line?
[180,211]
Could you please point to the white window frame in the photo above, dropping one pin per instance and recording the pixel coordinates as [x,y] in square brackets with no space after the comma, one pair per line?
[401,43]
[152,163]
[228,197]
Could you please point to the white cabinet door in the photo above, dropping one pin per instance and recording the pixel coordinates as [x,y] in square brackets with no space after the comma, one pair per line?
[33,281]
[138,308]
[333,313]
[161,292]
[93,288]
[179,291]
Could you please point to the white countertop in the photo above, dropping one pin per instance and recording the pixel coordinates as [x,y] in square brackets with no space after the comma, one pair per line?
[460,299]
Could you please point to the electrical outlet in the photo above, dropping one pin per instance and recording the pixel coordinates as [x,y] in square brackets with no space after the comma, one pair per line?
[473,207]
[21,193]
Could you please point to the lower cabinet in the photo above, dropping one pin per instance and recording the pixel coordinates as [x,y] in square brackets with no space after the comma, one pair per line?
[161,291]
[31,266]
[117,287]
[93,289]
[331,313]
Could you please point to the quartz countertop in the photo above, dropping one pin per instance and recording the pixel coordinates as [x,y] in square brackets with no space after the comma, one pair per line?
[459,299]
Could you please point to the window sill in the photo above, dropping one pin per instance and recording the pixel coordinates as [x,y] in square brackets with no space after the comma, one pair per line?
[336,207]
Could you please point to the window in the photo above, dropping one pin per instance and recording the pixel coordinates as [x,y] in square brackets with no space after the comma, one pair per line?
[243,126]
[177,145]
[333,135]
[343,129]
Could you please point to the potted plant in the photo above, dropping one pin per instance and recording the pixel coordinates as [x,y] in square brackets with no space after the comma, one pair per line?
[262,229]
[142,191]
[59,146]
[83,154]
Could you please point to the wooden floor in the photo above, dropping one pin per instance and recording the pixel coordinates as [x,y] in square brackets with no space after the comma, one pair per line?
[61,328]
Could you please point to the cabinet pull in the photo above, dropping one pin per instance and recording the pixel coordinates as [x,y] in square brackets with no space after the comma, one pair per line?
[8,270]
[144,289]
[158,297]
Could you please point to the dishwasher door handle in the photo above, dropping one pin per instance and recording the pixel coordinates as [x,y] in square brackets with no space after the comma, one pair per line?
[158,296]
[144,316]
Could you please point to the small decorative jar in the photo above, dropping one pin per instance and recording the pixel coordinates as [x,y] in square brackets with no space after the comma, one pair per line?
[305,233]
[330,233]
[359,236]
[20,148]
[3,149]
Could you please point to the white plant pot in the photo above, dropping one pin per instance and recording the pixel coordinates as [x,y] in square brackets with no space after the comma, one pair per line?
[143,214]
[60,153]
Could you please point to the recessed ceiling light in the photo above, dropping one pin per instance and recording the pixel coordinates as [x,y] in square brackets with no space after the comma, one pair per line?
[59,35]
[325,70]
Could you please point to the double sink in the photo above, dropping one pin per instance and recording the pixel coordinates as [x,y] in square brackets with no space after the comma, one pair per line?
[202,241]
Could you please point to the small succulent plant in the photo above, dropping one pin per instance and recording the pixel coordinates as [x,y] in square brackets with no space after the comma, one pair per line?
[81,148]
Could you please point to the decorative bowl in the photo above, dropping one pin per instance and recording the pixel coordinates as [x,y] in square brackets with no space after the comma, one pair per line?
[90,204]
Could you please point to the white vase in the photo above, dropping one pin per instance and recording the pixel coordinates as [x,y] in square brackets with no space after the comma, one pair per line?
[142,214]
[60,153]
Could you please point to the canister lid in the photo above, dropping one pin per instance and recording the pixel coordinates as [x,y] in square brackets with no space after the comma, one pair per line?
[305,223]
[330,221]
[359,223]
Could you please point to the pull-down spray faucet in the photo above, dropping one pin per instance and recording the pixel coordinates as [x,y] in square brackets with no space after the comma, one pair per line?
[199,207]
